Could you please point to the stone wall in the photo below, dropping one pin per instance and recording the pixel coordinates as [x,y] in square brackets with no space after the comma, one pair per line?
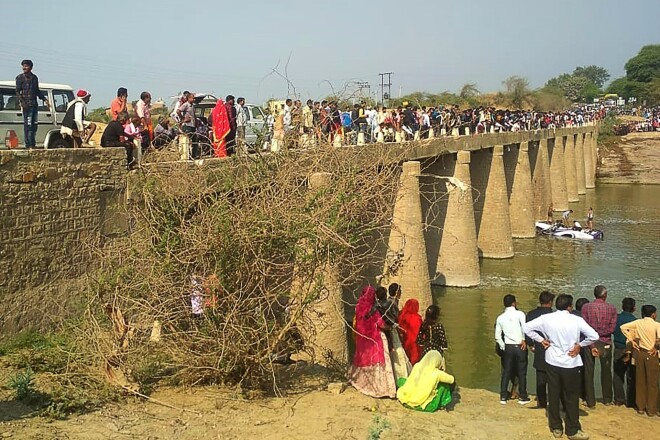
[55,206]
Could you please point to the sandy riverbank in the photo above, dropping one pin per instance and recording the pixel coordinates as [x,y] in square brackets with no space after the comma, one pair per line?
[207,413]
[635,159]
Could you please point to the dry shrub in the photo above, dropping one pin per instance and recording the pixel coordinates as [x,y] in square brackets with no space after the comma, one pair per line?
[245,226]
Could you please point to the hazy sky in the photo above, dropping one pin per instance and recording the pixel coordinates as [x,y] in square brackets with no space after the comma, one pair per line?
[232,47]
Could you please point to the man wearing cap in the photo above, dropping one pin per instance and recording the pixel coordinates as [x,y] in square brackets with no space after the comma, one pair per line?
[27,91]
[74,123]
[118,105]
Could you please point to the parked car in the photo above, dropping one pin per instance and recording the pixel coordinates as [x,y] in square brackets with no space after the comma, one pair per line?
[256,119]
[48,132]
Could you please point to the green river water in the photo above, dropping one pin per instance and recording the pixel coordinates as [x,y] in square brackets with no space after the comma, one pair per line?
[626,261]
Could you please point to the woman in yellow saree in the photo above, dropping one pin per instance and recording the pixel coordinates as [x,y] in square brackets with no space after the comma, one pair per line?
[428,387]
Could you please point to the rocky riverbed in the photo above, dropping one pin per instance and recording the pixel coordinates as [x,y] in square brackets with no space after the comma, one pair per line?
[635,159]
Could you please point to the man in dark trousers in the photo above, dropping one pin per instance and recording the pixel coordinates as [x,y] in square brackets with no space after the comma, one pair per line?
[27,91]
[511,342]
[601,316]
[231,115]
[624,371]
[114,136]
[562,343]
[545,306]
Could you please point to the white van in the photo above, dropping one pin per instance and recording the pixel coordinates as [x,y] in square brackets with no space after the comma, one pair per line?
[48,132]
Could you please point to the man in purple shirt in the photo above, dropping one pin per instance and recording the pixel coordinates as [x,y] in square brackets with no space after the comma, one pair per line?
[601,316]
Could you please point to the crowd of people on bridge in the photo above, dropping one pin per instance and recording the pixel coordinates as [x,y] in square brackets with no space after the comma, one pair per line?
[399,354]
[325,120]
[223,132]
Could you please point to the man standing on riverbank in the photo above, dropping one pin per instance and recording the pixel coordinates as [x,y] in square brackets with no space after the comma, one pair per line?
[644,334]
[601,316]
[511,341]
[562,332]
[624,371]
[545,306]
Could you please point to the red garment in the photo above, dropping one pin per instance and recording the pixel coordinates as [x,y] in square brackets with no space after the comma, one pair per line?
[369,349]
[601,316]
[220,128]
[410,323]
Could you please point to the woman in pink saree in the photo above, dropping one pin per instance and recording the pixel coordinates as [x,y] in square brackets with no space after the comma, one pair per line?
[371,371]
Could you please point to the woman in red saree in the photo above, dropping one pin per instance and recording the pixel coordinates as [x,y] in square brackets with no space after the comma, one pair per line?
[409,322]
[221,128]
[371,371]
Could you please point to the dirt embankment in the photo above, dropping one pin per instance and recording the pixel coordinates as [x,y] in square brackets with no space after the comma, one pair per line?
[210,414]
[635,159]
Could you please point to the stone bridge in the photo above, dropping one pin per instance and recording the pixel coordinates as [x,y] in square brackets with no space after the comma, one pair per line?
[56,204]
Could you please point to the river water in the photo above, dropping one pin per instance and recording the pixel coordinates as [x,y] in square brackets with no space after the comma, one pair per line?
[626,262]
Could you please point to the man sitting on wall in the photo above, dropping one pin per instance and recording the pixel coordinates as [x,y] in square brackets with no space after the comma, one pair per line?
[115,136]
[74,123]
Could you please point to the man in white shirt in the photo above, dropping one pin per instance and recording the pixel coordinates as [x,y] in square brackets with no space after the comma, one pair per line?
[513,348]
[287,114]
[562,343]
[74,123]
[241,123]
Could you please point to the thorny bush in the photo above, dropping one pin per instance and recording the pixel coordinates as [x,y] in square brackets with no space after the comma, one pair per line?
[244,228]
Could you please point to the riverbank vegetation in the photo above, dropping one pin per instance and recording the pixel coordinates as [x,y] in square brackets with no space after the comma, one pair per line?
[219,278]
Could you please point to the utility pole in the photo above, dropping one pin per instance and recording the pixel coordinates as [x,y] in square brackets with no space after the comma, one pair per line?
[385,96]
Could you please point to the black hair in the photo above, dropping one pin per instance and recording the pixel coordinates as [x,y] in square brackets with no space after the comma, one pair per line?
[123,116]
[381,293]
[28,63]
[394,289]
[628,305]
[122,91]
[144,95]
[508,300]
[432,314]
[546,297]
[563,302]
[600,291]
[229,98]
[240,99]
[581,302]
[289,100]
[648,310]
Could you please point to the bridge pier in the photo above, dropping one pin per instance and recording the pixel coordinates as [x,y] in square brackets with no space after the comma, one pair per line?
[458,257]
[520,191]
[594,152]
[491,211]
[406,243]
[590,176]
[541,183]
[579,164]
[558,173]
[571,170]
[324,330]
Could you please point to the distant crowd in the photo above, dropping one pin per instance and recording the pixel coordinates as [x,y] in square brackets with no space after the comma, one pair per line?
[289,124]
[650,123]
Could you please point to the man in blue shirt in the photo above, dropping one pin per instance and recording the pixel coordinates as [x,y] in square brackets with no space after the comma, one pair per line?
[624,371]
[27,91]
